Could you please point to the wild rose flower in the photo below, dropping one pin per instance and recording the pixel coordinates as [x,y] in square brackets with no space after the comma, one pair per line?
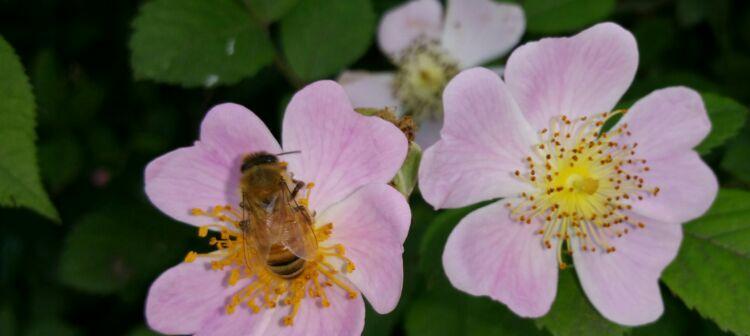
[613,200]
[428,50]
[359,221]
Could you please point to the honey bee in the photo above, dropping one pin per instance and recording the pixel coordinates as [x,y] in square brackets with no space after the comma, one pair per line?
[274,226]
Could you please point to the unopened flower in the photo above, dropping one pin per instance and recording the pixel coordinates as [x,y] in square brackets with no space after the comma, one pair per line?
[611,201]
[343,161]
[429,49]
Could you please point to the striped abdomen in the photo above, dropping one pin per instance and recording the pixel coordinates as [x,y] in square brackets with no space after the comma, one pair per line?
[284,263]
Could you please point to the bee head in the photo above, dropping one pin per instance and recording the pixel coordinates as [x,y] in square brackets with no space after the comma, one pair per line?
[257,159]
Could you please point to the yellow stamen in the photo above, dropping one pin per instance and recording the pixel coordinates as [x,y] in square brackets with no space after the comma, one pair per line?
[585,180]
[263,288]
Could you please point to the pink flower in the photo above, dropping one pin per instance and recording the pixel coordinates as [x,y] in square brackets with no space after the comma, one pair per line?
[429,50]
[360,222]
[614,200]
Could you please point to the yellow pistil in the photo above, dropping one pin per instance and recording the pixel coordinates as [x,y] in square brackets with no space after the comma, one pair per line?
[424,70]
[584,182]
[260,287]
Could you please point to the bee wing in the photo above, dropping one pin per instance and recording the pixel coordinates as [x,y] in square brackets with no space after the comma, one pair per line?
[293,227]
[255,231]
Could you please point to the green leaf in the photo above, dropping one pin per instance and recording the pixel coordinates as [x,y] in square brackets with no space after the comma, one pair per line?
[120,246]
[711,272]
[20,184]
[58,173]
[406,178]
[727,117]
[573,314]
[560,16]
[736,156]
[270,10]
[197,43]
[322,37]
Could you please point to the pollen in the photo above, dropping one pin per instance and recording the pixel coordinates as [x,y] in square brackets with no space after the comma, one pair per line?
[588,180]
[258,287]
[424,70]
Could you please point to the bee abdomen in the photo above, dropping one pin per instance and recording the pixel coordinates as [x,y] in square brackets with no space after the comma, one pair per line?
[285,264]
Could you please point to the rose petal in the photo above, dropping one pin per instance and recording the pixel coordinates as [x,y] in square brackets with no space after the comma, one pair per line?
[369,89]
[624,285]
[687,187]
[477,31]
[341,150]
[185,296]
[372,224]
[343,317]
[667,121]
[207,174]
[402,25]
[489,254]
[575,76]
[484,139]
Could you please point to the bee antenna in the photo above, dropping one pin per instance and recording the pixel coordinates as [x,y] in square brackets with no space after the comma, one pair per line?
[289,152]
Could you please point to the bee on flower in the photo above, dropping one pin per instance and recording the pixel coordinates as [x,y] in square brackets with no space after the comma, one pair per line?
[299,232]
[607,202]
[428,49]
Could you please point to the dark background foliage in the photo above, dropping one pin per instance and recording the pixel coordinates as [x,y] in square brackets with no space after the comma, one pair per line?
[99,122]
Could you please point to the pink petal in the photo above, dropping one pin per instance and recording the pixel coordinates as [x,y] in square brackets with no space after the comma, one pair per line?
[489,254]
[484,139]
[667,121]
[624,285]
[185,296]
[575,76]
[477,31]
[372,224]
[402,25]
[369,89]
[341,150]
[345,317]
[687,187]
[207,173]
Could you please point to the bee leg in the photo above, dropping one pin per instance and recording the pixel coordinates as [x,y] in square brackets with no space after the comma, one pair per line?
[244,224]
[298,185]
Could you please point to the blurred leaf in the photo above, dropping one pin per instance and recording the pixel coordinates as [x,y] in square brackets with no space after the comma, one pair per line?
[120,246]
[653,45]
[20,184]
[736,156]
[7,320]
[61,161]
[436,316]
[727,117]
[51,326]
[271,10]
[322,37]
[378,324]
[433,243]
[691,12]
[711,272]
[446,311]
[197,43]
[561,16]
[142,331]
[573,314]
[406,178]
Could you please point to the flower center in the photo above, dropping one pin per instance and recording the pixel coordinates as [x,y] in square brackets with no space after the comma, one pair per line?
[584,181]
[424,70]
[262,286]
